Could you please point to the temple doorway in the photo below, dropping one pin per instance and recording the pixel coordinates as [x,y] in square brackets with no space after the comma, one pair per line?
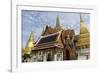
[49,57]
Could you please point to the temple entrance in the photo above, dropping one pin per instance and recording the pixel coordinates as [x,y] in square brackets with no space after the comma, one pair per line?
[49,57]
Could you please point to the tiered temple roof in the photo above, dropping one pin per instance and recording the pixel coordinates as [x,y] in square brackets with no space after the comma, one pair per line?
[49,30]
[49,41]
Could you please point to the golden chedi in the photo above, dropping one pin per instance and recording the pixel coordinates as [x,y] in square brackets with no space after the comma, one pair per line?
[84,37]
[30,44]
[83,43]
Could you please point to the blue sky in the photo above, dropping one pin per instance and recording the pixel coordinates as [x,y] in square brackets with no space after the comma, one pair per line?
[36,20]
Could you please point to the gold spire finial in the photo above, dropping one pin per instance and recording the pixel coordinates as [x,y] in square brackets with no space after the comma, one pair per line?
[58,27]
[57,22]
[83,28]
[81,18]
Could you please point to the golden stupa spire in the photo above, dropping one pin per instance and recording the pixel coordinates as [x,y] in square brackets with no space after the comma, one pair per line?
[30,44]
[83,28]
[84,36]
[81,20]
[57,22]
[58,27]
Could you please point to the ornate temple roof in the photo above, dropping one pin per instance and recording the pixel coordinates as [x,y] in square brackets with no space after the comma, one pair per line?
[48,38]
[49,30]
[48,41]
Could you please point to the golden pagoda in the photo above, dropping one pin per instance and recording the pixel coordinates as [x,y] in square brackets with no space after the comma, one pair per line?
[29,45]
[84,37]
[83,43]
